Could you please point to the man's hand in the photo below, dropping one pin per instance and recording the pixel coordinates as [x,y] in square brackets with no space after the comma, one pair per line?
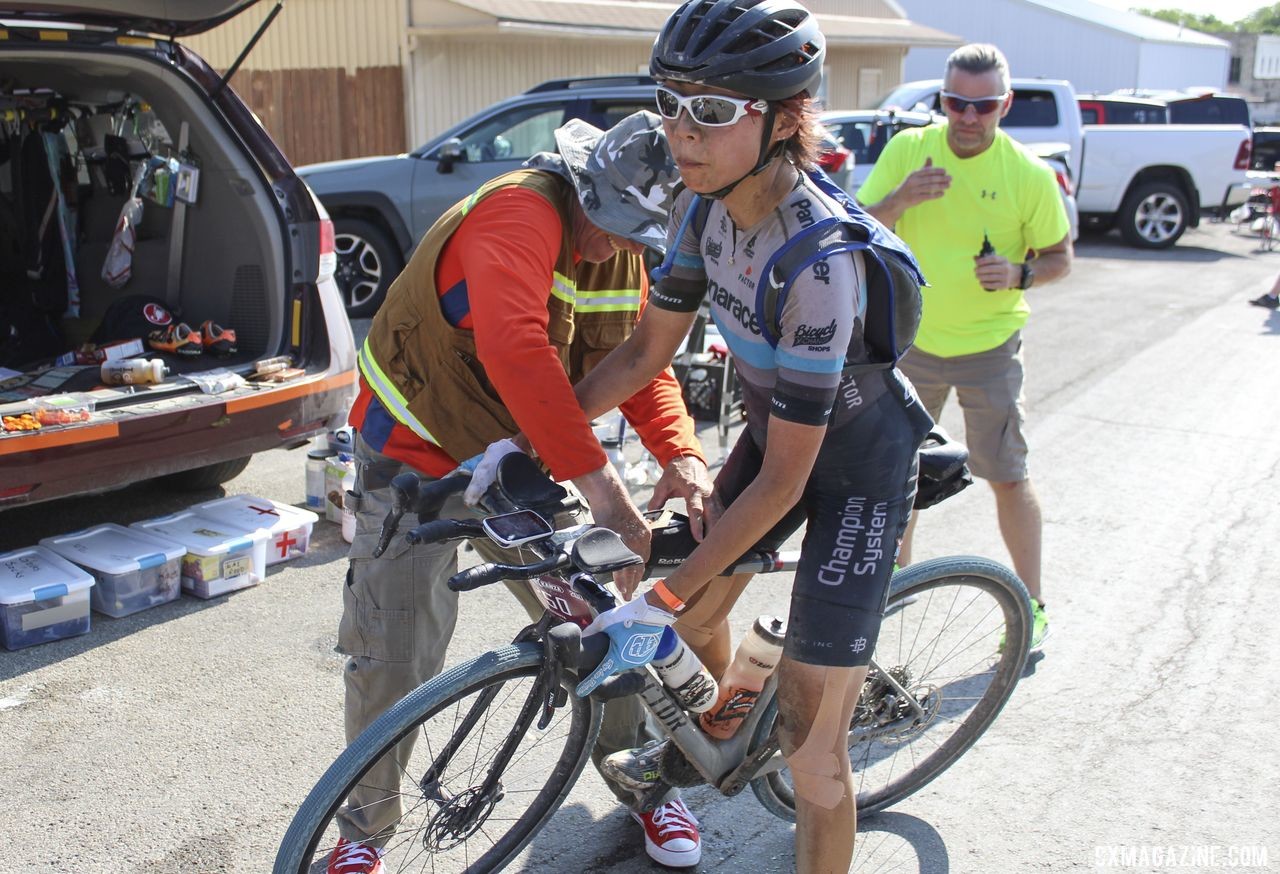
[996,273]
[611,507]
[685,477]
[634,630]
[485,469]
[927,183]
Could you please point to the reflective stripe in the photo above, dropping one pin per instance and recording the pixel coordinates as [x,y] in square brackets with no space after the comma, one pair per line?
[609,301]
[391,399]
[564,288]
[471,202]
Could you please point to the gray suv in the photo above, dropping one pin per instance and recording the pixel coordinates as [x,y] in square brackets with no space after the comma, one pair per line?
[382,206]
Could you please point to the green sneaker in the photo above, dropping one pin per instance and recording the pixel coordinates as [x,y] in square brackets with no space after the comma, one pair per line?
[1039,625]
[1039,628]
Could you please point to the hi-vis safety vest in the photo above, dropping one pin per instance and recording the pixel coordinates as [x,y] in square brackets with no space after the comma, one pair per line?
[426,372]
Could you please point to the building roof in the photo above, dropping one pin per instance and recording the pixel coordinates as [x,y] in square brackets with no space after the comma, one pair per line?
[641,19]
[1130,23]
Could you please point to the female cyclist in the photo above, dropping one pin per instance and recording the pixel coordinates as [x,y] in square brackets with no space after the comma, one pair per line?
[821,446]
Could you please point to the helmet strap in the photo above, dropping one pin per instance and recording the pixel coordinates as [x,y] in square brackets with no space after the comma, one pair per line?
[767,155]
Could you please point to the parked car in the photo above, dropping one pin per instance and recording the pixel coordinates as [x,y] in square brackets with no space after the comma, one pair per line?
[242,243]
[1152,182]
[381,206]
[1113,109]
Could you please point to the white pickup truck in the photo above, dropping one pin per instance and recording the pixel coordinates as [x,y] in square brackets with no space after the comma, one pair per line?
[1152,182]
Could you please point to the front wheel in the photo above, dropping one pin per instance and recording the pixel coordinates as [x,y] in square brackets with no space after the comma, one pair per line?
[481,779]
[955,636]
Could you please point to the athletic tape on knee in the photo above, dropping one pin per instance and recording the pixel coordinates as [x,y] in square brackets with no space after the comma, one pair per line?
[815,769]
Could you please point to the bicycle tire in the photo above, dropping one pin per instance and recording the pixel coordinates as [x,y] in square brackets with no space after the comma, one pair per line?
[774,790]
[303,845]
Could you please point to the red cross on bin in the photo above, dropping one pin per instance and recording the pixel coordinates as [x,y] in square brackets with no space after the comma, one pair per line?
[286,540]
[265,511]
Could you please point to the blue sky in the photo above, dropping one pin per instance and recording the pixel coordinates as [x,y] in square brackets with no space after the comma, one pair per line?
[1226,10]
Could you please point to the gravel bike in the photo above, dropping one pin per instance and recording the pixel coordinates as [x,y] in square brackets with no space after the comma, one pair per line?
[501,739]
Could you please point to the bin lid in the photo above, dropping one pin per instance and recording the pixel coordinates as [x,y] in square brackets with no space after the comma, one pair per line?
[114,549]
[201,535]
[35,573]
[250,513]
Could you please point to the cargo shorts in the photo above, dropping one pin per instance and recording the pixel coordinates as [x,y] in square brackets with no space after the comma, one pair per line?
[989,388]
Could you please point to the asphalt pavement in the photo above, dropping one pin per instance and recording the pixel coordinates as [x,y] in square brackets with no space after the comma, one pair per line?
[181,739]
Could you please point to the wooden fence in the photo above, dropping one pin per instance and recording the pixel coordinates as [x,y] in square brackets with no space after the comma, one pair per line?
[327,114]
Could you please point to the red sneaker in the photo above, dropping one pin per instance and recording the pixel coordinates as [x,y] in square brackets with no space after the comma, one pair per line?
[671,835]
[352,857]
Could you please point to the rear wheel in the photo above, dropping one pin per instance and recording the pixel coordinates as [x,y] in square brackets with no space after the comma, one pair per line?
[1154,215]
[955,636]
[207,477]
[467,806]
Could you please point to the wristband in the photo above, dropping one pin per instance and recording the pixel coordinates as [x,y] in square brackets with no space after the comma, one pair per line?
[668,597]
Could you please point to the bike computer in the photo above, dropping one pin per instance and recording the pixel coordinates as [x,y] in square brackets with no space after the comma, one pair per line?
[517,529]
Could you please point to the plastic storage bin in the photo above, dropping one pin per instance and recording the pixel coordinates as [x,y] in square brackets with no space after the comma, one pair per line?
[43,597]
[219,558]
[134,570]
[288,528]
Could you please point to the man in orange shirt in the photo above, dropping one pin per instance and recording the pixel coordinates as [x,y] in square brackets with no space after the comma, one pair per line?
[510,298]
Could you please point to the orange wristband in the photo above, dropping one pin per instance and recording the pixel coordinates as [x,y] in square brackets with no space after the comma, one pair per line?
[668,597]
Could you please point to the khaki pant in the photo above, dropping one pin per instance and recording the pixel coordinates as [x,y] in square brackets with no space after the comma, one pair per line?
[398,616]
[989,388]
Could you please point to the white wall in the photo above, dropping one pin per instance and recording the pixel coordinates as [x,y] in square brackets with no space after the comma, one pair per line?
[1041,42]
[1161,65]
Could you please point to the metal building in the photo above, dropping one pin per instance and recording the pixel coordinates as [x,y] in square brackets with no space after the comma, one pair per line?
[1095,47]
[343,78]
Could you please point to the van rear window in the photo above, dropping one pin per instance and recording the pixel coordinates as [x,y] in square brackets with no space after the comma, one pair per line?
[1032,108]
[1209,110]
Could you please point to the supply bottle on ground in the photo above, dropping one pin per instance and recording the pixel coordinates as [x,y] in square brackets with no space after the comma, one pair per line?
[755,660]
[683,673]
[133,371]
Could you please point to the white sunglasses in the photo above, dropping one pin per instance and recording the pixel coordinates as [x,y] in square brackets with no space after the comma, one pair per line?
[709,110]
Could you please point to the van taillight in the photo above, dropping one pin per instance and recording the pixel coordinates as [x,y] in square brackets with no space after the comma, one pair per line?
[1063,182]
[832,161]
[1243,154]
[328,250]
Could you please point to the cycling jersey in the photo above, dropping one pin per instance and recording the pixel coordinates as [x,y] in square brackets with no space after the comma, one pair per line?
[857,499]
[800,380]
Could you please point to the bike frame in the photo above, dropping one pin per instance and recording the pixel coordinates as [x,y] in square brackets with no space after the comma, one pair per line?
[725,764]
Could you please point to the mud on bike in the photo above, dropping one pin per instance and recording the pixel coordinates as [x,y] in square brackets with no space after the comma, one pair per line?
[501,739]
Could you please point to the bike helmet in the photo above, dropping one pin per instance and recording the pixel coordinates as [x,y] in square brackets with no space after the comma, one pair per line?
[768,49]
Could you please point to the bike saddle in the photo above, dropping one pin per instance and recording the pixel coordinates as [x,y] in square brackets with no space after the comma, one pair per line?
[525,485]
[944,470]
[600,550]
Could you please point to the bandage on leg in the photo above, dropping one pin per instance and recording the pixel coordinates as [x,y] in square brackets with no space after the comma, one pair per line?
[816,770]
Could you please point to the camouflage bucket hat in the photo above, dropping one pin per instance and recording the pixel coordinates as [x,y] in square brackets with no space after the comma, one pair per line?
[625,177]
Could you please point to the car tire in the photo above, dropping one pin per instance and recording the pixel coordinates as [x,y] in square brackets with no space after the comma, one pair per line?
[1154,215]
[206,477]
[368,262]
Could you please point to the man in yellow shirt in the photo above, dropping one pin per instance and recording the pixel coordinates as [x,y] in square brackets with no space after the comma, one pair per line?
[985,219]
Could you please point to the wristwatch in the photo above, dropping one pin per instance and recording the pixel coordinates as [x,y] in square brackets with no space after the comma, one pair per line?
[1028,276]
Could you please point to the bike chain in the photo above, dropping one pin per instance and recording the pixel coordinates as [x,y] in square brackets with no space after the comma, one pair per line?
[676,770]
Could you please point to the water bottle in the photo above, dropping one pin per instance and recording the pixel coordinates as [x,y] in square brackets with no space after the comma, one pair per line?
[133,371]
[755,660]
[683,673]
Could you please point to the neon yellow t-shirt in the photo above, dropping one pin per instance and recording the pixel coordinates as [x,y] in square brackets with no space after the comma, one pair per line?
[1007,192]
